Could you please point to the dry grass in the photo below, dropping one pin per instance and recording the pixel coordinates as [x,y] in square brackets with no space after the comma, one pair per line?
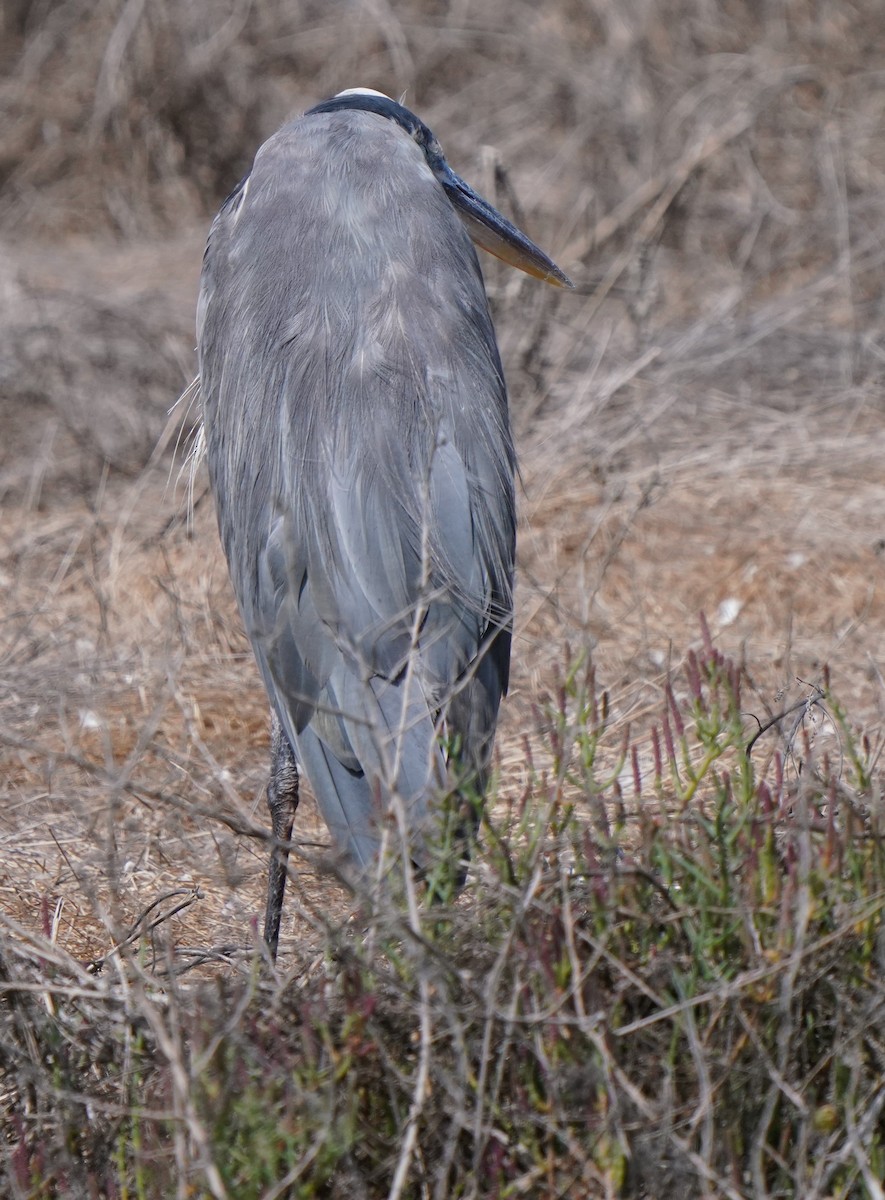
[699,428]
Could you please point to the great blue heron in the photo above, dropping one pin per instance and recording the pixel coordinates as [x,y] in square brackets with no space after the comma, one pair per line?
[361,459]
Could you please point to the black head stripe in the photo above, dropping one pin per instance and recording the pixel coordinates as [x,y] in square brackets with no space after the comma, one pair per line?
[383,106]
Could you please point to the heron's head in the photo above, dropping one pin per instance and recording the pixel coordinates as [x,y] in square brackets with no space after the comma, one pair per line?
[486,226]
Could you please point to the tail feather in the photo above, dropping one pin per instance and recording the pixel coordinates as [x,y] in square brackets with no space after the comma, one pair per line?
[389,729]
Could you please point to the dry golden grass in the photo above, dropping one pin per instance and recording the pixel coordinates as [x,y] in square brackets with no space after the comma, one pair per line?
[700,427]
[697,432]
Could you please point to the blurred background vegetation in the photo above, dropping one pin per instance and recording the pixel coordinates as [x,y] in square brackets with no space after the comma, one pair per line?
[665,973]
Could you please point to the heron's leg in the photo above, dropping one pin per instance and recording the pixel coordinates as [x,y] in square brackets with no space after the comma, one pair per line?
[282,800]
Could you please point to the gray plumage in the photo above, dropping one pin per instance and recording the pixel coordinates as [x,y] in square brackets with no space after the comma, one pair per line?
[361,460]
